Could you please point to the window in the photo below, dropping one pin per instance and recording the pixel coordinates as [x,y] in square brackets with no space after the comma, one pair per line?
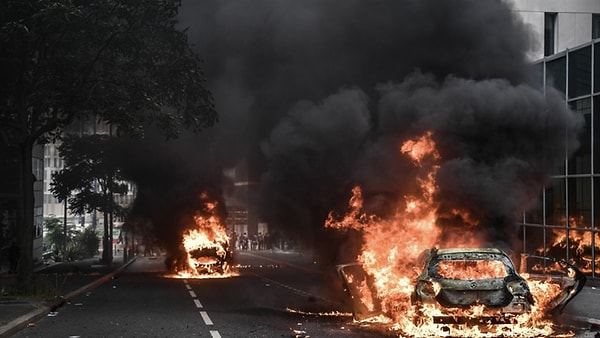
[549,33]
[596,139]
[597,67]
[580,202]
[595,26]
[555,203]
[580,72]
[556,74]
[581,161]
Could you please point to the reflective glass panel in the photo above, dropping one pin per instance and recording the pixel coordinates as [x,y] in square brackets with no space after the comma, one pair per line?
[556,240]
[581,161]
[597,67]
[555,203]
[596,202]
[596,134]
[580,72]
[580,202]
[579,245]
[556,74]
[534,240]
[535,214]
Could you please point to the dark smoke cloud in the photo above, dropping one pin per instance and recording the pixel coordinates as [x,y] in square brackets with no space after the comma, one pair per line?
[498,143]
[316,95]
[311,155]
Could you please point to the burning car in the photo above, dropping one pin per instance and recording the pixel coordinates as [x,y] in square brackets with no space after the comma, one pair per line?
[464,287]
[467,277]
[202,258]
[211,259]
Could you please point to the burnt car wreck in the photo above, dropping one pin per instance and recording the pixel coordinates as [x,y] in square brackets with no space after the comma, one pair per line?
[212,259]
[203,259]
[470,286]
[462,278]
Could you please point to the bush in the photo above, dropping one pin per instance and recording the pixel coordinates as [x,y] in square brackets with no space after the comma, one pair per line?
[87,243]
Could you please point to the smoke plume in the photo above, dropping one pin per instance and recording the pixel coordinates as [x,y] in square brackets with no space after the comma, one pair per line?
[316,97]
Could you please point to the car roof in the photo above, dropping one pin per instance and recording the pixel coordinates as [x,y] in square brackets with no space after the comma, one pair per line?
[469,250]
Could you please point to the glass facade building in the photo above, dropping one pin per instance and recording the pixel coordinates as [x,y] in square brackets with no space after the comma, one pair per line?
[565,222]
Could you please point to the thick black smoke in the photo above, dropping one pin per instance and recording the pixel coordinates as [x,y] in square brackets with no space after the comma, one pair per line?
[170,178]
[498,142]
[317,95]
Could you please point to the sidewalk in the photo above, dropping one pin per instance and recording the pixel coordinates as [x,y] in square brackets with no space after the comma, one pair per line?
[58,283]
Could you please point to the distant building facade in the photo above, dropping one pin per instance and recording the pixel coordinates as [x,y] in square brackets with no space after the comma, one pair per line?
[53,162]
[565,222]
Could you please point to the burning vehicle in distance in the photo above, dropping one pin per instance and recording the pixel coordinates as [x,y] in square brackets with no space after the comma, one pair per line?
[467,287]
[211,259]
[205,258]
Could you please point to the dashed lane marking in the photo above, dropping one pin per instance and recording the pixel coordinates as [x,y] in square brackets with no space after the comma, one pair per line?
[206,318]
[203,314]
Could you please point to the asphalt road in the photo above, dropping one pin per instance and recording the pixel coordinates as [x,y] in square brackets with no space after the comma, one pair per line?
[275,296]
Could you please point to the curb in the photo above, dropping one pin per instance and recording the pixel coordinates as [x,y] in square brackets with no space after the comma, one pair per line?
[21,322]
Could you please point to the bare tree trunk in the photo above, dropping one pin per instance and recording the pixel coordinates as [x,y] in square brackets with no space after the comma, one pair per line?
[65,231]
[105,243]
[110,238]
[25,219]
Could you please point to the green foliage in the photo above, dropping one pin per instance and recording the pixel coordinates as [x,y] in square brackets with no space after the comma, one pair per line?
[125,62]
[80,244]
[122,62]
[55,236]
[83,245]
[91,173]
[88,242]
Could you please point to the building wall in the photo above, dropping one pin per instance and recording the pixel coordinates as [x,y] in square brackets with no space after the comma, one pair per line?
[573,23]
[565,221]
[53,162]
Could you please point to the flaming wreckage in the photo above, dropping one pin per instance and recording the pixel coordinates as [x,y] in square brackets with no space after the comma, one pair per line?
[471,287]
[215,258]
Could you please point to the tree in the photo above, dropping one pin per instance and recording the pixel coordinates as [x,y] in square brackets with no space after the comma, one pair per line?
[56,238]
[79,245]
[94,177]
[125,62]
[87,243]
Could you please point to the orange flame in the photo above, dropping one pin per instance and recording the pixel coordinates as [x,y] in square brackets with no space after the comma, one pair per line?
[206,246]
[579,244]
[392,246]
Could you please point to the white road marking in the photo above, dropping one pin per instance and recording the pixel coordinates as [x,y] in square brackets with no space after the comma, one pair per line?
[206,318]
[203,314]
